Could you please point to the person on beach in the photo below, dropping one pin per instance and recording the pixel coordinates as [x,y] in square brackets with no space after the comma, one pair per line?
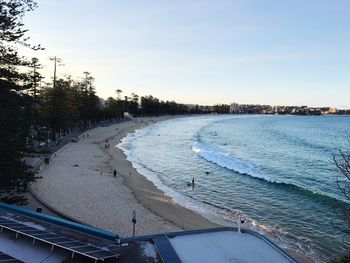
[133,220]
[115,173]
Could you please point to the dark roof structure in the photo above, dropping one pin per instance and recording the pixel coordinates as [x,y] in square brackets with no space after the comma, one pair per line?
[8,259]
[74,242]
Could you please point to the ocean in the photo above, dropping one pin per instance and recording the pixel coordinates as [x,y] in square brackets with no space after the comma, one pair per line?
[276,171]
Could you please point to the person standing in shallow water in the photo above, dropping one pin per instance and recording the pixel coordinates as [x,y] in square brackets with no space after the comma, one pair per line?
[193,183]
[115,173]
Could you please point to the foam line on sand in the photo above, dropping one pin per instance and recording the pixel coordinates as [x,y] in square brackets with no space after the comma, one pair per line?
[72,183]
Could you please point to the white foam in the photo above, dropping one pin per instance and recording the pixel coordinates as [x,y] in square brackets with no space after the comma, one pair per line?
[228,161]
[209,212]
[218,215]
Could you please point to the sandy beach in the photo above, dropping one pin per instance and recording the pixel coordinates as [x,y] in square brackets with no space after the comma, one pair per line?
[79,182]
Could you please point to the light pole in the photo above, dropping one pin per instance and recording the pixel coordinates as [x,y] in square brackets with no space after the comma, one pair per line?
[48,139]
[57,60]
[34,62]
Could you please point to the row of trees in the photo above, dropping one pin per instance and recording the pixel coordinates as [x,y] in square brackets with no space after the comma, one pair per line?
[72,104]
[31,108]
[152,106]
[67,104]
[14,104]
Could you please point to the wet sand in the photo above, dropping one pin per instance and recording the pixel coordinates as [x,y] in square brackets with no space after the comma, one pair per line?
[72,183]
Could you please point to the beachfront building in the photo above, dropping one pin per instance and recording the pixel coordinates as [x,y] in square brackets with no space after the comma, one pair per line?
[332,110]
[191,107]
[28,236]
[234,107]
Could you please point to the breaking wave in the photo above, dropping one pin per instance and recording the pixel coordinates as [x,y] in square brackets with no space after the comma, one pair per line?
[247,168]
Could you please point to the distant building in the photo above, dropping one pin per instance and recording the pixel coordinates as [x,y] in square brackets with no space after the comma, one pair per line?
[234,108]
[191,107]
[327,110]
[211,109]
[332,110]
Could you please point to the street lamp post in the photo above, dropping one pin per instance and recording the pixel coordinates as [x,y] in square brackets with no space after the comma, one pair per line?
[48,140]
[34,62]
[57,60]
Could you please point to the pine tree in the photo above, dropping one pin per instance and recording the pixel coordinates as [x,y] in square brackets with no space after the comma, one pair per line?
[14,174]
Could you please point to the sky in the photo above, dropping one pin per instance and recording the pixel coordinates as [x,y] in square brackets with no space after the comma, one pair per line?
[290,52]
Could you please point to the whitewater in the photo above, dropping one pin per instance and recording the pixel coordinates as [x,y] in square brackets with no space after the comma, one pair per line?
[275,170]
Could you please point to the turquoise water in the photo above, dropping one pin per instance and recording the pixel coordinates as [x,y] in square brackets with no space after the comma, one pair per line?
[275,170]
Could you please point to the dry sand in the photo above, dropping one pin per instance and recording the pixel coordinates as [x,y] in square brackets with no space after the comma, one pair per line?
[72,183]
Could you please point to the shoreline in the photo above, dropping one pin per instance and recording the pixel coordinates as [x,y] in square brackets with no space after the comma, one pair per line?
[148,195]
[95,198]
[112,210]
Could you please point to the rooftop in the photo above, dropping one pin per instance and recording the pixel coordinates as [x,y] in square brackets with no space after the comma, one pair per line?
[28,236]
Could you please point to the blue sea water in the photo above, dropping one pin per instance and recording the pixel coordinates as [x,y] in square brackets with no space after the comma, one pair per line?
[275,170]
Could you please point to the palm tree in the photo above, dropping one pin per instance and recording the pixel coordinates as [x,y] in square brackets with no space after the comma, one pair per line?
[118,91]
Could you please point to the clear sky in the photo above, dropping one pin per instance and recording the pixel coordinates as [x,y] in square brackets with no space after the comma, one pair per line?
[278,52]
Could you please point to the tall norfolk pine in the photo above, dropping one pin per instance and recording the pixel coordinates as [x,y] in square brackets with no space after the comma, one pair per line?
[13,105]
[64,107]
[69,105]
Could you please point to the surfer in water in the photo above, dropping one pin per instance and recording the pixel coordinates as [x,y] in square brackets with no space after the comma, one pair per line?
[191,183]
